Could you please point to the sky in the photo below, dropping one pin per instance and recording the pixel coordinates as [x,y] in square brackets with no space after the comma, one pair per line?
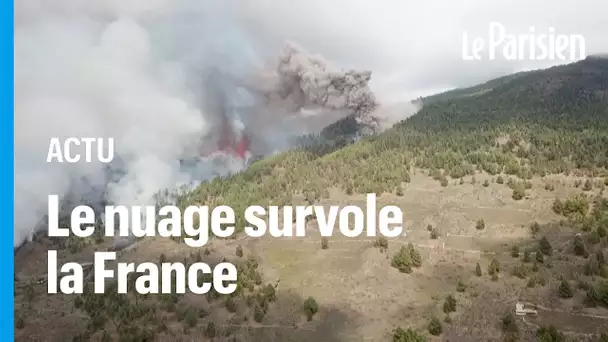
[131,70]
[417,45]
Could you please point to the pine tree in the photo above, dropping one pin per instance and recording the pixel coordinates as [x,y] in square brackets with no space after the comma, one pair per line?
[527,257]
[494,267]
[565,289]
[403,260]
[414,255]
[450,304]
[545,246]
[540,257]
[579,246]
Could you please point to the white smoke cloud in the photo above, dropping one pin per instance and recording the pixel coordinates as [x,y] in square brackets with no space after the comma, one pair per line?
[135,71]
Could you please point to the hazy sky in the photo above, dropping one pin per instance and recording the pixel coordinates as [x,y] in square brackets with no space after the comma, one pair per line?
[415,45]
[418,44]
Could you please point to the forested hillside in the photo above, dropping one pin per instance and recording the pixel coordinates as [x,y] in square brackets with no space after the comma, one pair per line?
[547,121]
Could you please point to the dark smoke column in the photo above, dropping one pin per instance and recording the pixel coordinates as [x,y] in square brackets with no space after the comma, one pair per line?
[310,83]
[281,100]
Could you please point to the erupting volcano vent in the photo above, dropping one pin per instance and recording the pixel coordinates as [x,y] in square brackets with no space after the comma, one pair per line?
[232,143]
[302,95]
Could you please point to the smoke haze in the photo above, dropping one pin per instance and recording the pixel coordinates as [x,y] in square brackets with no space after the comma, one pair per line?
[147,73]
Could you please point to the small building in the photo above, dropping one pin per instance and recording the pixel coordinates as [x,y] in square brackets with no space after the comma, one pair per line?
[522,310]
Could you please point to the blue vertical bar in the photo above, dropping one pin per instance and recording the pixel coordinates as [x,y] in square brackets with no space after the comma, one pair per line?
[7,327]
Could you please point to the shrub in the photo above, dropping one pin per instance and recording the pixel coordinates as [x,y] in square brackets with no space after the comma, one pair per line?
[535,228]
[520,271]
[449,305]
[565,289]
[210,330]
[518,193]
[258,313]
[415,255]
[588,185]
[539,258]
[515,252]
[402,260]
[409,335]
[434,233]
[406,258]
[509,323]
[601,231]
[527,257]
[461,286]
[579,246]
[19,322]
[480,224]
[494,267]
[545,246]
[381,242]
[324,243]
[230,304]
[310,307]
[594,238]
[435,327]
[550,334]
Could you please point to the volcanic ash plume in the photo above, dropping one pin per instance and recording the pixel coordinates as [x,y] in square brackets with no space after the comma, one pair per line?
[179,86]
[303,82]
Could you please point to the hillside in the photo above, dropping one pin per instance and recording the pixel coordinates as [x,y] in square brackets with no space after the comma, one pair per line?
[502,189]
[548,121]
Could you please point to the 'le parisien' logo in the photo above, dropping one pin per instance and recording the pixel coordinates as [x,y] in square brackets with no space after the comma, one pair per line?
[530,46]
